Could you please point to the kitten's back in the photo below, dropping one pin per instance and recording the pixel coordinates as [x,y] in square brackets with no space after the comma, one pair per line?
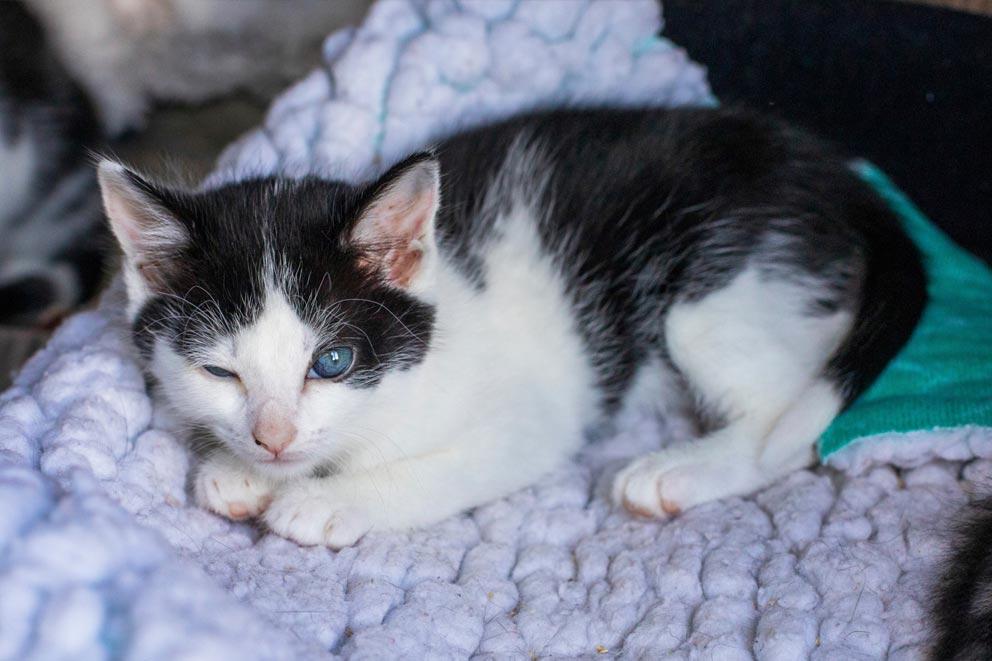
[644,207]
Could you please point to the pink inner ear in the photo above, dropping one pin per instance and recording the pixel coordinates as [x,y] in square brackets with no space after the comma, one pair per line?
[406,220]
[397,228]
[404,265]
[407,225]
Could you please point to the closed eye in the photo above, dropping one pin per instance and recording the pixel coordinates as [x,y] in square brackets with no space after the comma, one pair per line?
[220,372]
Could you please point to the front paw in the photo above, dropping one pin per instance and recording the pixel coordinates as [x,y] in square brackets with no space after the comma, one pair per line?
[227,487]
[313,513]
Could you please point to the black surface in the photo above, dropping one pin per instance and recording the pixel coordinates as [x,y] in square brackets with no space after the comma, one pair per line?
[907,86]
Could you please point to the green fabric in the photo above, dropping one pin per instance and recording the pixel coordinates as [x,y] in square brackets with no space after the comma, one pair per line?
[943,376]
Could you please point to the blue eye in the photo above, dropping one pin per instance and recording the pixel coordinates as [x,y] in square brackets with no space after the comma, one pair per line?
[220,371]
[332,363]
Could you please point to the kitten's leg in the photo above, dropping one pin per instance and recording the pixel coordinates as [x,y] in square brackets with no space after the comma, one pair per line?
[754,352]
[336,511]
[225,485]
[735,460]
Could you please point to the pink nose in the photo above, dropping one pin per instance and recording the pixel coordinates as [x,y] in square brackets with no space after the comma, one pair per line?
[274,435]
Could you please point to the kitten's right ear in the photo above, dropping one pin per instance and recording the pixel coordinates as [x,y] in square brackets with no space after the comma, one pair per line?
[147,232]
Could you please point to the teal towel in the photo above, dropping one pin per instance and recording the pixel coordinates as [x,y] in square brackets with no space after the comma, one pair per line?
[943,376]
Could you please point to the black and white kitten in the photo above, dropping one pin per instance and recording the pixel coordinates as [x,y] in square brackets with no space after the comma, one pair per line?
[50,216]
[384,355]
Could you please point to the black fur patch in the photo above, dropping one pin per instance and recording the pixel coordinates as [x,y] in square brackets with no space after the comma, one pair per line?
[26,297]
[962,606]
[241,234]
[646,207]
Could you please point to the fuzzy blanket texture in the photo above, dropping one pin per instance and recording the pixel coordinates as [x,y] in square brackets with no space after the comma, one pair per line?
[103,555]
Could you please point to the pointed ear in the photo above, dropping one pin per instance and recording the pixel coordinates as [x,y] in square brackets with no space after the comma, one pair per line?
[147,232]
[395,229]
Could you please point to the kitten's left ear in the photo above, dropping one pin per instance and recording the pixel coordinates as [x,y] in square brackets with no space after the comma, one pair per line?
[395,230]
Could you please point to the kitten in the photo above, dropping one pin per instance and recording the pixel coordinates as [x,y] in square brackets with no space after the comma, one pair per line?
[384,355]
[50,216]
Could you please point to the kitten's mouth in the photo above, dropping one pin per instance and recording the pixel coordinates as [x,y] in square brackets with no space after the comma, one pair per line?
[282,460]
[284,464]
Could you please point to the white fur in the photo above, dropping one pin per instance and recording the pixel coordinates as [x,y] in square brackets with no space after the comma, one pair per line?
[271,358]
[753,352]
[230,488]
[502,396]
[489,409]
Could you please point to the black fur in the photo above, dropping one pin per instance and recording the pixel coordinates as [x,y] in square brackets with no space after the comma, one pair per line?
[659,206]
[962,607]
[33,80]
[57,234]
[214,282]
[640,209]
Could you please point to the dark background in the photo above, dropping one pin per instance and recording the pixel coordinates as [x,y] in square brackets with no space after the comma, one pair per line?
[906,86]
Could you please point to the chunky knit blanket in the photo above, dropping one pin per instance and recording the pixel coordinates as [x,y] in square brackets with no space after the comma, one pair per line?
[103,555]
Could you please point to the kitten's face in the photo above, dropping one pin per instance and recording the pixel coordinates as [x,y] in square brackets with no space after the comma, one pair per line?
[270,313]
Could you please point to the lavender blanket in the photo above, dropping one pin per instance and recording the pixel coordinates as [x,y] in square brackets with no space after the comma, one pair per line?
[102,554]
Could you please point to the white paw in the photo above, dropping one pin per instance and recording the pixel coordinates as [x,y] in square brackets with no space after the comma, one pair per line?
[310,512]
[667,483]
[228,488]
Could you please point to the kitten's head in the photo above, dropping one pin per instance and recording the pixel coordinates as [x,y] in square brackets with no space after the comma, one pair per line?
[271,312]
